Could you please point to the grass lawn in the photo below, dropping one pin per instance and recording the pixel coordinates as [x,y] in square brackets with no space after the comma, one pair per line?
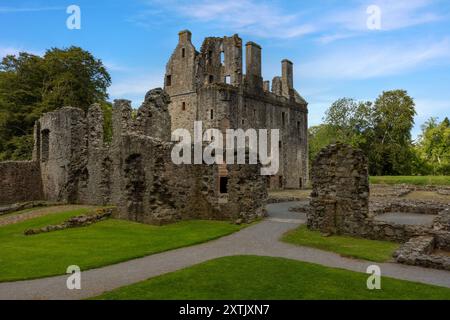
[107,242]
[251,277]
[425,180]
[372,250]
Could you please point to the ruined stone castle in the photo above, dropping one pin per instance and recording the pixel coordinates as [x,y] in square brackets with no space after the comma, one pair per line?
[211,86]
[73,163]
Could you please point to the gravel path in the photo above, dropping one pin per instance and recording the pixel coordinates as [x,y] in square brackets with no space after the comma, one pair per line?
[12,218]
[260,239]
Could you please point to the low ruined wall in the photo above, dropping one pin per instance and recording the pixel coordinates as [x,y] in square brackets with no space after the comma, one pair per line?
[20,181]
[340,195]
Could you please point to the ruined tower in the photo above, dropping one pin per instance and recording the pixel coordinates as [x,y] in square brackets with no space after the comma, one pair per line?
[210,86]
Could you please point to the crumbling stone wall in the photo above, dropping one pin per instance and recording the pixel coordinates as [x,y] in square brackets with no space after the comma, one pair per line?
[63,141]
[20,181]
[339,205]
[340,195]
[134,172]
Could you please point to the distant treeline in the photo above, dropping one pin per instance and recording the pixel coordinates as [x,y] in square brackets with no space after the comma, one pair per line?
[382,129]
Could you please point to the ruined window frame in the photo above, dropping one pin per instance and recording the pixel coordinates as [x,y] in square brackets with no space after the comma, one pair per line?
[45,145]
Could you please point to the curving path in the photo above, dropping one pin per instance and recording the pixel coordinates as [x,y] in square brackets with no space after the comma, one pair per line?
[260,239]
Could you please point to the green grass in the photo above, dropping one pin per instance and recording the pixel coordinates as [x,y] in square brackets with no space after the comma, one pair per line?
[372,250]
[263,278]
[414,180]
[103,243]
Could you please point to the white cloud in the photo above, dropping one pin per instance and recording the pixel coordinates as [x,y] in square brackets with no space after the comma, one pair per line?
[10,50]
[28,9]
[376,61]
[396,14]
[250,17]
[325,39]
[136,87]
[116,67]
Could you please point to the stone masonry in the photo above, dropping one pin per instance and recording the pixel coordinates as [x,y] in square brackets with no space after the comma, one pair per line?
[211,86]
[73,164]
[340,195]
[340,205]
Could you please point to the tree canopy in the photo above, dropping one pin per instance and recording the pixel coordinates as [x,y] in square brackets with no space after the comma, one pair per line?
[383,131]
[31,85]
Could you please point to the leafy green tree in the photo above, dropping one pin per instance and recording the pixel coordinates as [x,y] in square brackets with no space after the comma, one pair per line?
[31,85]
[319,137]
[390,146]
[350,120]
[347,121]
[433,147]
[381,129]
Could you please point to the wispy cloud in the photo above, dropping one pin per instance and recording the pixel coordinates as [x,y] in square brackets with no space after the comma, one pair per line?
[396,14]
[376,61]
[10,50]
[135,88]
[28,9]
[116,67]
[268,20]
[251,17]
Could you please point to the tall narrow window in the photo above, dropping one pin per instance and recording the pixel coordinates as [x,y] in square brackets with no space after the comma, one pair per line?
[211,115]
[222,57]
[45,147]
[183,52]
[169,80]
[209,57]
[227,79]
[283,119]
[298,126]
[211,78]
[183,106]
[223,184]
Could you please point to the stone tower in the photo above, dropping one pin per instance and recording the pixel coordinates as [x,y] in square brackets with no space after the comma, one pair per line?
[210,86]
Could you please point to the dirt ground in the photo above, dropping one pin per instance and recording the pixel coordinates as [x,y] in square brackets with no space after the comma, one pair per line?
[376,192]
[38,212]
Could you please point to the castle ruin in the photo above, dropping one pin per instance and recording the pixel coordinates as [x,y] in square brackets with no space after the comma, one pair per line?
[210,86]
[72,162]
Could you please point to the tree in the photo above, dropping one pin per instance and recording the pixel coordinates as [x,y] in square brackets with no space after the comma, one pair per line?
[433,147]
[350,120]
[390,146]
[319,137]
[31,85]
[347,121]
[381,129]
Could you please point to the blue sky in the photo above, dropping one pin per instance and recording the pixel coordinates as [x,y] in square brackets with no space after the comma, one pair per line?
[335,54]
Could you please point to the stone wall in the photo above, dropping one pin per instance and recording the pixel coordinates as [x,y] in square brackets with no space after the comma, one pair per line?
[135,171]
[210,86]
[20,181]
[340,195]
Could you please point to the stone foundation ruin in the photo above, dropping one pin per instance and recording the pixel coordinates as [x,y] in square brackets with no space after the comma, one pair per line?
[340,205]
[73,164]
